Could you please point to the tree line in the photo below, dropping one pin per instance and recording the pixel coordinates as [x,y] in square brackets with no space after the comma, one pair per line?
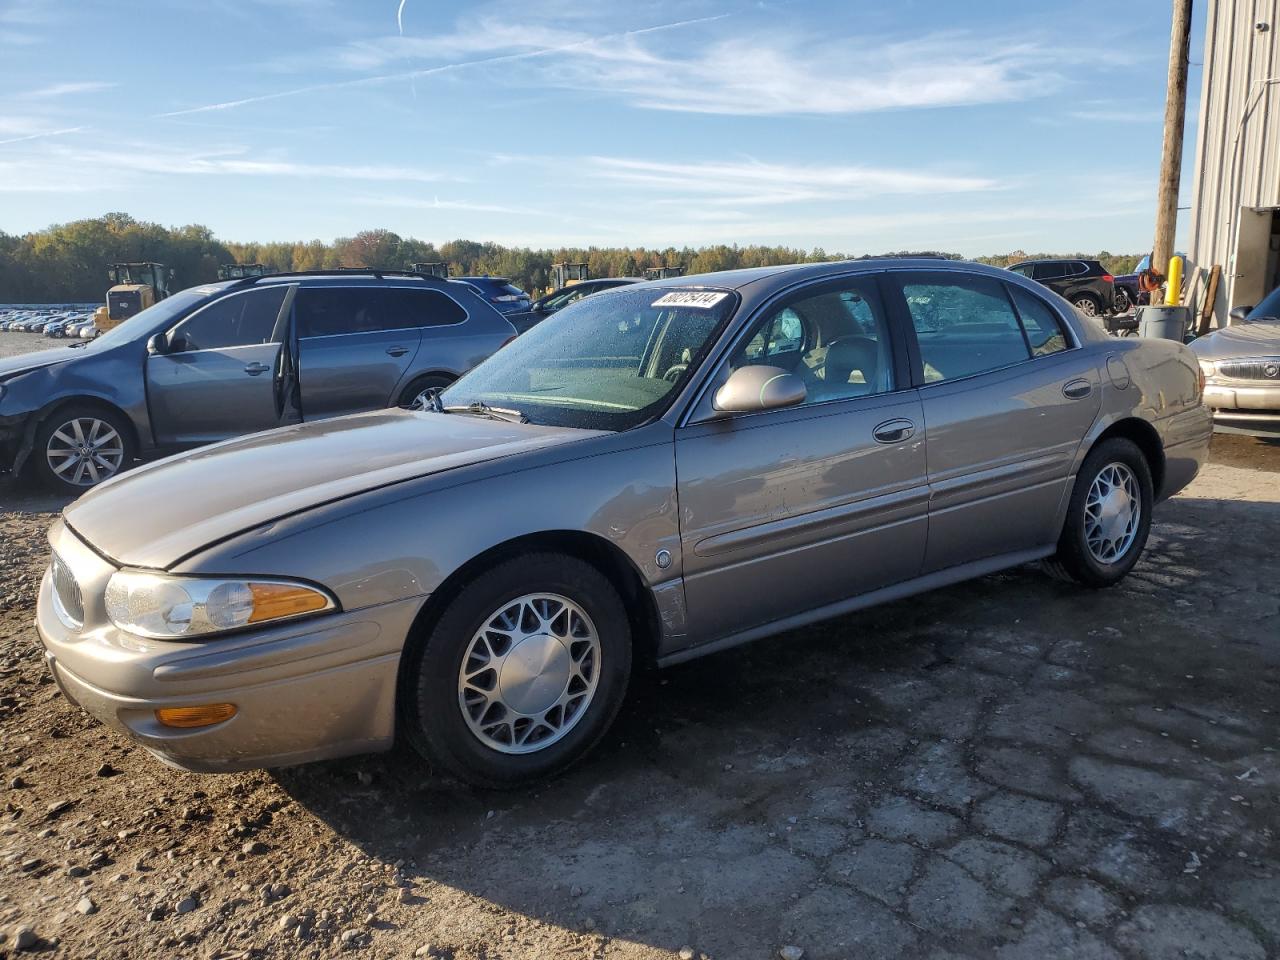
[68,262]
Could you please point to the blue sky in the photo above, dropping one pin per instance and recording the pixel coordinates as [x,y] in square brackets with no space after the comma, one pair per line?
[855,126]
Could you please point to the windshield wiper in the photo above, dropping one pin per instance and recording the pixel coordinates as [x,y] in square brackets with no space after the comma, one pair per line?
[479,408]
[82,343]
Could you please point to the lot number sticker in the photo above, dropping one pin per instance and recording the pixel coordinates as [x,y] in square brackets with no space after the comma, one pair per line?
[689,298]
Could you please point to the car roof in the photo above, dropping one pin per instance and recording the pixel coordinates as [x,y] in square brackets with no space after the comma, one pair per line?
[788,274]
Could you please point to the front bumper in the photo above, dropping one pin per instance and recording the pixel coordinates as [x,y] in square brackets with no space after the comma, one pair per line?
[307,690]
[1244,408]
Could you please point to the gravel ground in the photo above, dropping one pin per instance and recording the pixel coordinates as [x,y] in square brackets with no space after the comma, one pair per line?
[13,344]
[1010,768]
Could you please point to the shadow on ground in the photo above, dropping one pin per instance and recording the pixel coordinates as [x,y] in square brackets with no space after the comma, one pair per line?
[1010,765]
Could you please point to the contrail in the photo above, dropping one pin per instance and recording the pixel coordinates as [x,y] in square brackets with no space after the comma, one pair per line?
[400,16]
[443,68]
[40,136]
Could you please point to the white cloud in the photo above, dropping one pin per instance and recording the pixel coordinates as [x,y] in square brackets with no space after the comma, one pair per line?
[436,70]
[64,167]
[780,74]
[66,89]
[755,183]
[435,203]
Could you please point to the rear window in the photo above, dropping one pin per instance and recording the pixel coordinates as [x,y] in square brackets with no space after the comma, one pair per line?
[403,307]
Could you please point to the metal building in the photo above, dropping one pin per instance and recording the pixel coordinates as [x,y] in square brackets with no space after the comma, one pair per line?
[1235,205]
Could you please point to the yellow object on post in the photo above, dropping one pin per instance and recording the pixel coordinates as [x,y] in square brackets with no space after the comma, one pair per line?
[1173,287]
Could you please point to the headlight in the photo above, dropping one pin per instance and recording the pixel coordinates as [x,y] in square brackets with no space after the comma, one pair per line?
[1208,368]
[168,608]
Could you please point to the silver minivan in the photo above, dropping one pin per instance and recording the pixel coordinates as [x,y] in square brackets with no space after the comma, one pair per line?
[226,359]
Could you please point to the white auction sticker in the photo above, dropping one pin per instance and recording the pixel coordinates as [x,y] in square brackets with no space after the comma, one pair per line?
[689,298]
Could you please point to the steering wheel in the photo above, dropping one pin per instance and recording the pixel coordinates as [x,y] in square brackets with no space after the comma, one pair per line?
[674,371]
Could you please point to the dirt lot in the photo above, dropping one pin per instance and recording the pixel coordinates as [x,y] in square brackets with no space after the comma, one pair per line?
[1010,768]
[13,344]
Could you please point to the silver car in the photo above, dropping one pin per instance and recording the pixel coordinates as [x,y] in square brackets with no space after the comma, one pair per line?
[237,357]
[654,473]
[1241,364]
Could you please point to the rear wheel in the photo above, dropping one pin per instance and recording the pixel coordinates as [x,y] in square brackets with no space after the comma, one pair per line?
[416,395]
[1087,305]
[522,673]
[1122,302]
[1108,518]
[79,447]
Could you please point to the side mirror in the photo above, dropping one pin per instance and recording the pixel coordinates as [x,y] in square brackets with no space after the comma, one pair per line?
[754,388]
[158,343]
[1237,314]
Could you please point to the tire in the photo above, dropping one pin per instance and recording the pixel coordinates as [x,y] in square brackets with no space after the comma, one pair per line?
[448,691]
[1122,302]
[411,397]
[79,446]
[1088,305]
[1085,555]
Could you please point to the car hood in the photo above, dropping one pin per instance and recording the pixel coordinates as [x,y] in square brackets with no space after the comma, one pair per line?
[158,514]
[1239,340]
[26,362]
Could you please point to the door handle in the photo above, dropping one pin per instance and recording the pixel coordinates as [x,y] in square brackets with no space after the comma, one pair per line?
[894,431]
[397,351]
[1077,389]
[253,369]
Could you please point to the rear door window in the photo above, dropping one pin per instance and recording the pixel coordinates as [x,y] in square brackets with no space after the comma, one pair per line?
[238,320]
[331,311]
[1049,271]
[1045,335]
[404,307]
[964,325]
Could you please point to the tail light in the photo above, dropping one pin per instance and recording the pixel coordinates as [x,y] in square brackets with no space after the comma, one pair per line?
[1109,278]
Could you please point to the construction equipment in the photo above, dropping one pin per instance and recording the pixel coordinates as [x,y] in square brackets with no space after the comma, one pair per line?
[433,268]
[134,287]
[661,273]
[238,271]
[567,274]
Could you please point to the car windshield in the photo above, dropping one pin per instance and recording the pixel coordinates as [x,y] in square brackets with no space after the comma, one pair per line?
[608,362]
[155,315]
[1268,311]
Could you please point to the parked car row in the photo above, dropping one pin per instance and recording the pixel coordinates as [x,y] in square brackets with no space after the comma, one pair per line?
[655,472]
[78,324]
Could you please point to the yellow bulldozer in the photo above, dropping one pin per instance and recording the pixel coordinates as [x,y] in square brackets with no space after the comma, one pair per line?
[134,287]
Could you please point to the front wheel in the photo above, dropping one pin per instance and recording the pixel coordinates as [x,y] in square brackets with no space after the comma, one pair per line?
[79,447]
[417,395]
[1108,518]
[522,673]
[1122,302]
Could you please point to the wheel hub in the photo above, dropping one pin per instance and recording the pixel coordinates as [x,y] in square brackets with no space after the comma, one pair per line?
[1112,511]
[84,451]
[534,674]
[529,673]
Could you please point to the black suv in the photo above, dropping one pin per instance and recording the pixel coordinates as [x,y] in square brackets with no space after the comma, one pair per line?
[1083,282]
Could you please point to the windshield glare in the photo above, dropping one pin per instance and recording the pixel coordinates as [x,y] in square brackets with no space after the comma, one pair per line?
[145,320]
[609,362]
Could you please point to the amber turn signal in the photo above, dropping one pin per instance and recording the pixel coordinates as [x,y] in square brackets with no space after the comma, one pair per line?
[204,716]
[272,601]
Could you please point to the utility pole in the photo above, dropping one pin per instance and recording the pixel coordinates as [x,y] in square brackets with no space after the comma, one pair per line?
[1175,109]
